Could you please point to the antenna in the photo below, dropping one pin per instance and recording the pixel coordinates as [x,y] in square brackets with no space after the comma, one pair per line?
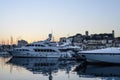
[52,35]
[11,38]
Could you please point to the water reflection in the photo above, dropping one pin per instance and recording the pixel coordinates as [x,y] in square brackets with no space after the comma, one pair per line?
[106,72]
[54,69]
[44,66]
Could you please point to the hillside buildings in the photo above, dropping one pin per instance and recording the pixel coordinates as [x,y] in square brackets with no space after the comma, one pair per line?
[94,41]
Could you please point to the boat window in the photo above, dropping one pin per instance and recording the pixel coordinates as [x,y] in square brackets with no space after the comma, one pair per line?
[17,49]
[37,45]
[44,50]
[26,50]
[52,50]
[22,50]
[35,50]
[42,46]
[28,45]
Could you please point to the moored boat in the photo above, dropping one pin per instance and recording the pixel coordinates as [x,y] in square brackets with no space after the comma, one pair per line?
[44,48]
[110,55]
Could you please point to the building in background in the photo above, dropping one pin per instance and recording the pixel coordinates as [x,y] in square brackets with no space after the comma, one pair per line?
[117,42]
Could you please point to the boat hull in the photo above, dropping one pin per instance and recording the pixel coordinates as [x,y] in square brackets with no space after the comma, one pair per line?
[99,57]
[34,54]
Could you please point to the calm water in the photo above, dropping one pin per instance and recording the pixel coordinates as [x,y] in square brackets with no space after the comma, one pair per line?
[53,69]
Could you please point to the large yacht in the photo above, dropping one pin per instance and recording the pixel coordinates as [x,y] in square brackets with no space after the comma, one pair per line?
[110,55]
[44,48]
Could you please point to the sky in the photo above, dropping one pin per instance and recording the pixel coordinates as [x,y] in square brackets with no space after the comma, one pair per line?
[33,20]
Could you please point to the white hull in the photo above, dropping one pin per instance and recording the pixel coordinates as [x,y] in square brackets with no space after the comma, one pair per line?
[35,54]
[102,58]
[110,55]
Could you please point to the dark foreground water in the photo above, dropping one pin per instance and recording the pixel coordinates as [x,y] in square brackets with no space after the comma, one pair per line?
[54,69]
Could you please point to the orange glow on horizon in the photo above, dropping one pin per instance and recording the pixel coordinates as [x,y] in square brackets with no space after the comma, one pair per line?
[8,41]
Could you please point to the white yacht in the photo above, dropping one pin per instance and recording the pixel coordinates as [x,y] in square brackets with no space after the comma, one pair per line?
[44,48]
[37,49]
[110,55]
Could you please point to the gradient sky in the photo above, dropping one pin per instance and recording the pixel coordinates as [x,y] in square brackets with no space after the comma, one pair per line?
[35,19]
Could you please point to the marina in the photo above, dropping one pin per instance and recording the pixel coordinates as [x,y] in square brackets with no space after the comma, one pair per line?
[59,39]
[46,60]
[62,50]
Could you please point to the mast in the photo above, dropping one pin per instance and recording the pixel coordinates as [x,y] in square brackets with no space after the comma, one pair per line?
[11,40]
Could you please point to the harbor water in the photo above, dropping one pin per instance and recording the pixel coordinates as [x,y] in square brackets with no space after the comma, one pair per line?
[54,69]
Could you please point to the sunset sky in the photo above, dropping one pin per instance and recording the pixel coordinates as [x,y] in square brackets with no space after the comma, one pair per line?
[33,20]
